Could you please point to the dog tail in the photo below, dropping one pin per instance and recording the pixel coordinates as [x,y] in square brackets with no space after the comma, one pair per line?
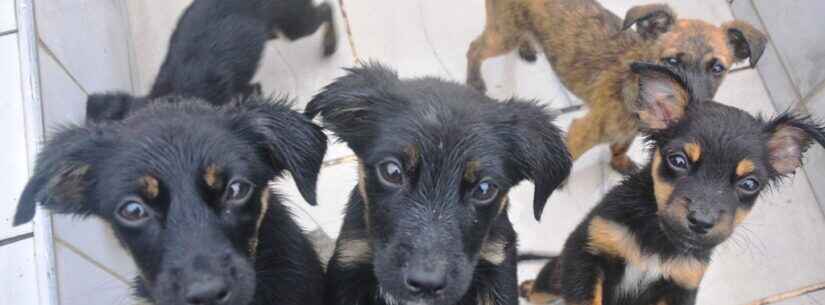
[529,256]
[565,110]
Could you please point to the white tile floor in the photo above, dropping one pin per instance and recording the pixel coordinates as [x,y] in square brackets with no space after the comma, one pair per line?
[778,248]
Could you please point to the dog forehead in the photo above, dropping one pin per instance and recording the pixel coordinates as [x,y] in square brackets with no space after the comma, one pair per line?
[697,38]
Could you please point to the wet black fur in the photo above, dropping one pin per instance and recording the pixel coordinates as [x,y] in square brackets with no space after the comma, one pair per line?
[431,221]
[217,45]
[192,234]
[727,135]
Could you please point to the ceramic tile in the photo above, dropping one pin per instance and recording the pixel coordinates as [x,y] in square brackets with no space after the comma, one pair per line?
[90,38]
[82,283]
[13,158]
[334,186]
[96,240]
[19,274]
[63,100]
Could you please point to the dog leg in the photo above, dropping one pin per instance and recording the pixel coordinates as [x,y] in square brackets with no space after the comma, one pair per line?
[310,21]
[584,133]
[489,44]
[619,160]
[527,51]
[330,33]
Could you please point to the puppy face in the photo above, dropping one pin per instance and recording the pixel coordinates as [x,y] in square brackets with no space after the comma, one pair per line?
[711,161]
[695,45]
[184,188]
[436,162]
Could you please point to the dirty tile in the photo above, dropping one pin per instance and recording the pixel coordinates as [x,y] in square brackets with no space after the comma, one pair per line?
[63,100]
[802,51]
[13,158]
[96,240]
[90,38]
[97,287]
[334,186]
[815,160]
[19,274]
[8,19]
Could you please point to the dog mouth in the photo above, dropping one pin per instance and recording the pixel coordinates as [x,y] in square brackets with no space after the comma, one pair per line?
[391,299]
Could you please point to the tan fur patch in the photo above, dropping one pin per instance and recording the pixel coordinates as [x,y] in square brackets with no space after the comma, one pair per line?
[542,298]
[471,171]
[253,243]
[684,271]
[362,190]
[693,151]
[598,291]
[351,252]
[610,238]
[741,214]
[661,189]
[504,202]
[149,186]
[492,251]
[212,177]
[412,156]
[744,168]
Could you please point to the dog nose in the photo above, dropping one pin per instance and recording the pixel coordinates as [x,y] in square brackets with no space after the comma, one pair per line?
[429,282]
[213,291]
[700,223]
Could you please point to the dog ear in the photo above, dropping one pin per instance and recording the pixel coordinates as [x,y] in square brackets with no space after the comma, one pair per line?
[111,106]
[63,174]
[285,137]
[790,135]
[663,96]
[539,150]
[651,20]
[747,41]
[348,105]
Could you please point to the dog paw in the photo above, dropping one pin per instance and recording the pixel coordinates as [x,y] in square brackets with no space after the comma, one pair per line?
[623,165]
[524,288]
[330,42]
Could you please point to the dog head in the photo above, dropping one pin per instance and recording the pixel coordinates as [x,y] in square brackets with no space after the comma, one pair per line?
[183,185]
[711,161]
[694,44]
[436,162]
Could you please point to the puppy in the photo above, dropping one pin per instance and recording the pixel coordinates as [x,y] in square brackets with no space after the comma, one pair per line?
[650,239]
[427,222]
[183,185]
[590,49]
[216,47]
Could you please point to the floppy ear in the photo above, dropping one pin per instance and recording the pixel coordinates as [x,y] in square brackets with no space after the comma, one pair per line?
[348,105]
[539,150]
[651,20]
[747,41]
[790,135]
[63,173]
[662,97]
[285,137]
[111,106]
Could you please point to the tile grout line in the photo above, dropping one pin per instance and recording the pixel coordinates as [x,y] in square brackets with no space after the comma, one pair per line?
[134,73]
[91,260]
[429,42]
[12,31]
[16,238]
[348,27]
[60,64]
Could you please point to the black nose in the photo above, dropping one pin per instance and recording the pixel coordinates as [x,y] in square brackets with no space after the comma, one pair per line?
[212,291]
[429,282]
[700,223]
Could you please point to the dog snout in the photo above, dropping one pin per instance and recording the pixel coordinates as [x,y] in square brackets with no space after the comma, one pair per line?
[423,280]
[210,290]
[701,222]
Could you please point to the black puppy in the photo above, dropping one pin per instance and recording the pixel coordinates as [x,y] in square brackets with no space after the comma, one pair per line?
[184,187]
[650,239]
[427,222]
[216,47]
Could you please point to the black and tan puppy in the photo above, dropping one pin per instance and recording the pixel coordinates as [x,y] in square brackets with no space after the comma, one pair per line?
[427,222]
[216,47]
[183,185]
[590,49]
[650,239]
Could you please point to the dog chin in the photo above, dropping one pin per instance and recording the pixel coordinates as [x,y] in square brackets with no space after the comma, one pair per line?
[391,299]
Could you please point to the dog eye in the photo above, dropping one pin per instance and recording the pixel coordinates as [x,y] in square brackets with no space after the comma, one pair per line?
[390,173]
[717,68]
[238,191]
[673,61]
[677,161]
[485,192]
[132,212]
[749,185]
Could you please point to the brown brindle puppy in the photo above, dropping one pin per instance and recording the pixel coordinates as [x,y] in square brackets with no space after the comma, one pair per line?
[590,49]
